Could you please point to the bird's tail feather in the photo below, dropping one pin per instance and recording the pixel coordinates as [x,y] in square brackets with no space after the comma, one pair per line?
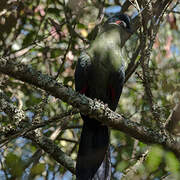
[92,148]
[104,171]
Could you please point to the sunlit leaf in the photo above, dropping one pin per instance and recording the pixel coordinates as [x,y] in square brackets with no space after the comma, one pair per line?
[38,169]
[154,158]
[14,164]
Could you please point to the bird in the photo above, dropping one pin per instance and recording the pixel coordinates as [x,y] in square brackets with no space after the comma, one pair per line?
[100,74]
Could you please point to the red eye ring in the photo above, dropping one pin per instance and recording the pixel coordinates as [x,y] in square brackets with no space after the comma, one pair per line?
[118,22]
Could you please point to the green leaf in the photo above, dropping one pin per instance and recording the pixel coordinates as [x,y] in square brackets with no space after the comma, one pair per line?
[53,11]
[154,158]
[29,38]
[122,165]
[172,163]
[14,164]
[56,53]
[81,26]
[38,169]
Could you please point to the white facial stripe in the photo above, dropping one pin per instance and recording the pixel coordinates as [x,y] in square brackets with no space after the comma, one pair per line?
[114,23]
[124,24]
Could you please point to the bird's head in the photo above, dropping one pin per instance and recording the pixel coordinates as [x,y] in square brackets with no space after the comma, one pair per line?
[121,20]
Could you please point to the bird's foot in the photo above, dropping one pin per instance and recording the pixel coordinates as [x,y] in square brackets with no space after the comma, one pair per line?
[105,106]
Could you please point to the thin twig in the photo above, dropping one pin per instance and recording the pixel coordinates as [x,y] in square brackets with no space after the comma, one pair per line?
[24,131]
[129,174]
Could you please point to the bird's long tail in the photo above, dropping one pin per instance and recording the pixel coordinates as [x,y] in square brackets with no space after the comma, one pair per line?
[92,148]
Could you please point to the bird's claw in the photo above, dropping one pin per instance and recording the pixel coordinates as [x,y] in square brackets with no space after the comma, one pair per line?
[105,106]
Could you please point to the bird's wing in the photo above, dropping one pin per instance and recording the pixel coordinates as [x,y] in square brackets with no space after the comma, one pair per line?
[82,73]
[116,81]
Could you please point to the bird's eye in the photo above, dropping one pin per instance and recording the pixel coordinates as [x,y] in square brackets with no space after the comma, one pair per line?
[122,23]
[117,21]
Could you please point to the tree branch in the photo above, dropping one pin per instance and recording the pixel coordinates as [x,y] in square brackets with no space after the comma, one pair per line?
[26,130]
[53,150]
[89,107]
[173,122]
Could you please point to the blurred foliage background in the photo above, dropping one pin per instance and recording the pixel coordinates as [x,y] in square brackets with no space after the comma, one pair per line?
[49,35]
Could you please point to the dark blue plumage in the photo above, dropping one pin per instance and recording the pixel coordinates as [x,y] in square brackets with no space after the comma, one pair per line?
[100,74]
